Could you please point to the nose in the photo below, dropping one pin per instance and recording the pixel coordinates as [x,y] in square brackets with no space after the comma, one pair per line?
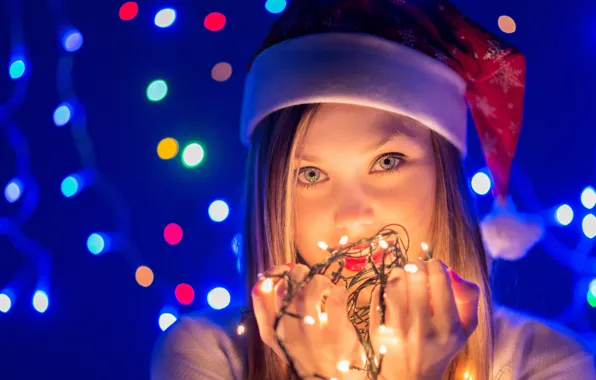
[353,214]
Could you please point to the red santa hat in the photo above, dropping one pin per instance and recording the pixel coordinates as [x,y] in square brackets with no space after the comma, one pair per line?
[425,61]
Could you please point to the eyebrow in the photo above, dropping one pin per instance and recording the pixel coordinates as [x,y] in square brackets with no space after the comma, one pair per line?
[396,131]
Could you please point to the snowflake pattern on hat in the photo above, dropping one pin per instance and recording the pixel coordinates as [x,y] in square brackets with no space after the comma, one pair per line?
[493,70]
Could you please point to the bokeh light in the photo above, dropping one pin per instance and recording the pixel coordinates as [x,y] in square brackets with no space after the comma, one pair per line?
[71,185]
[564,215]
[221,72]
[215,21]
[218,298]
[63,114]
[16,69]
[41,302]
[5,303]
[275,6]
[219,211]
[173,234]
[166,320]
[591,299]
[507,24]
[72,41]
[157,90]
[13,190]
[128,11]
[185,294]
[144,276]
[165,18]
[192,155]
[98,243]
[481,183]
[236,244]
[167,148]
[588,197]
[589,226]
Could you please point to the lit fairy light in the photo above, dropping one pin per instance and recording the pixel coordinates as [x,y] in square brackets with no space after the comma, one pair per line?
[343,240]
[343,365]
[267,285]
[383,349]
[383,244]
[323,318]
[322,245]
[424,246]
[240,330]
[411,268]
[309,320]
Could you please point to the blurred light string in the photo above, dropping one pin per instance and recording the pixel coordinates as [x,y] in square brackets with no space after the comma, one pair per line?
[11,225]
[103,187]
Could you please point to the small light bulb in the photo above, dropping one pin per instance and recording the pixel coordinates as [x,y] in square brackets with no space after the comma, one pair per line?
[323,317]
[411,268]
[383,244]
[309,320]
[240,329]
[466,375]
[343,365]
[267,285]
[424,246]
[383,349]
[322,245]
[343,240]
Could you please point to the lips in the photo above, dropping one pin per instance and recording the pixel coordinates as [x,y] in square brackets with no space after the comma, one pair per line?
[356,264]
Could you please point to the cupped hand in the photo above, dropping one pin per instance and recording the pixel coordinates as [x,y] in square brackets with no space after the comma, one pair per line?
[430,314]
[322,341]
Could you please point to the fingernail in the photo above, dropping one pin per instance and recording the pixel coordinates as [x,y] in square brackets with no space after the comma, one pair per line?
[455,276]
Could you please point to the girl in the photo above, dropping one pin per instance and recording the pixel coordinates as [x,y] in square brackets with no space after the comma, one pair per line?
[355,114]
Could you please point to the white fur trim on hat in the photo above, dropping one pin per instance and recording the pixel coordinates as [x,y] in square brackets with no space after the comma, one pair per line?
[359,69]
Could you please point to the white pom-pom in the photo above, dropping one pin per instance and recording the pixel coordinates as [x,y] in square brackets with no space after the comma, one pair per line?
[508,234]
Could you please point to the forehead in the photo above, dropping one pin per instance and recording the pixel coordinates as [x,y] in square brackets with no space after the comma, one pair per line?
[354,126]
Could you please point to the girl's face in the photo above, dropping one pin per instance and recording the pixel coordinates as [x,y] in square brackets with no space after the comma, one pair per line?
[360,170]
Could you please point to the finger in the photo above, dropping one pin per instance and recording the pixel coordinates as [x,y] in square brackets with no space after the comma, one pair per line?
[418,296]
[291,325]
[467,297]
[339,325]
[397,300]
[445,315]
[314,295]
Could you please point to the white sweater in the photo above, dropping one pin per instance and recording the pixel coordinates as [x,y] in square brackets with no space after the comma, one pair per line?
[525,349]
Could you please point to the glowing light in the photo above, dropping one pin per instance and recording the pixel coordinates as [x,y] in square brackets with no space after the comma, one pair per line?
[507,24]
[309,320]
[481,183]
[267,285]
[592,287]
[588,197]
[5,303]
[383,244]
[236,244]
[221,72]
[185,294]
[63,114]
[166,320]
[165,18]
[13,191]
[128,11]
[71,186]
[589,226]
[167,148]
[173,234]
[591,299]
[240,330]
[157,90]
[382,349]
[564,215]
[144,276]
[98,243]
[16,69]
[215,21]
[192,155]
[411,268]
[275,6]
[343,365]
[322,245]
[41,301]
[342,241]
[219,211]
[72,41]
[218,298]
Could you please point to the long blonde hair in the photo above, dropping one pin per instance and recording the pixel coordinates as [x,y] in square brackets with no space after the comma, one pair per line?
[269,240]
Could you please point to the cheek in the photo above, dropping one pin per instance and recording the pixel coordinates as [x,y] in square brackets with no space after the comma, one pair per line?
[314,223]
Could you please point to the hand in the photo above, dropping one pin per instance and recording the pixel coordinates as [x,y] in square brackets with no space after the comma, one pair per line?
[316,344]
[430,314]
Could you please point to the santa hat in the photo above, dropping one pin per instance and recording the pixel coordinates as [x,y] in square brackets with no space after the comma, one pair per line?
[427,62]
